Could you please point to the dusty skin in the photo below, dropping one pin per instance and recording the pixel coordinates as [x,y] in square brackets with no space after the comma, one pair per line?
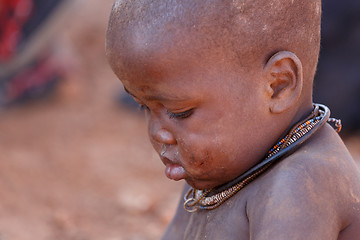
[213,114]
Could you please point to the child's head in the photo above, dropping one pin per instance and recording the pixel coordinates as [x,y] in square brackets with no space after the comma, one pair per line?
[221,80]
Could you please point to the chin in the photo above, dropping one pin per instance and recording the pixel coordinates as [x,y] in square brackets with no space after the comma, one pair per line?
[200,184]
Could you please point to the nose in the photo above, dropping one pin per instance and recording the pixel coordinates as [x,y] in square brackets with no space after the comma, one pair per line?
[161,135]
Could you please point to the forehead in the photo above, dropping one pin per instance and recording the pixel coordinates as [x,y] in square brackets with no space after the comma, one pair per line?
[178,66]
[148,54]
[173,69]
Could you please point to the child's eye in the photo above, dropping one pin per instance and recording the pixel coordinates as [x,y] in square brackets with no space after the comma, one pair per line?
[180,115]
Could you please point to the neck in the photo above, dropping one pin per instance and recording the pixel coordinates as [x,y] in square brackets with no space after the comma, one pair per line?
[302,112]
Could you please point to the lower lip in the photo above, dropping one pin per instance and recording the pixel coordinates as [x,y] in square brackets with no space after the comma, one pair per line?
[174,172]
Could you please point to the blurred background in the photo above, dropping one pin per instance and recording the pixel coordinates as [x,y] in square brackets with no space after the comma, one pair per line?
[75,161]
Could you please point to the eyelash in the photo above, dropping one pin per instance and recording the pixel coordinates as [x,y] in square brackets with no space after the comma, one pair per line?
[144,107]
[180,115]
[172,115]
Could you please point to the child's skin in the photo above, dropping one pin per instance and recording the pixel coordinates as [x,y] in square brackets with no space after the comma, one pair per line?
[221,81]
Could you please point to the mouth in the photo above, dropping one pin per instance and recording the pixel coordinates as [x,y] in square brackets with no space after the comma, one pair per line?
[173,170]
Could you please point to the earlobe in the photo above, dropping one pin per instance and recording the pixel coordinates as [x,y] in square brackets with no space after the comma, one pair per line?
[284,75]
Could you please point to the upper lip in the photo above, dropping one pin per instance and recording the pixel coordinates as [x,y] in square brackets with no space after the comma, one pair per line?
[167,161]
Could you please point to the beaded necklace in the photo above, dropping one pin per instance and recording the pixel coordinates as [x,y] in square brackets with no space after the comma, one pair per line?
[210,199]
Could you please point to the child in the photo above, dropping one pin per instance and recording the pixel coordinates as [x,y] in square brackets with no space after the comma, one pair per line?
[227,88]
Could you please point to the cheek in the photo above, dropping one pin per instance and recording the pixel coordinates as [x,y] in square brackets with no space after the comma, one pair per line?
[202,155]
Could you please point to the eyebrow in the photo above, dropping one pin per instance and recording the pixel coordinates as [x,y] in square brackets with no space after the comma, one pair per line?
[153,97]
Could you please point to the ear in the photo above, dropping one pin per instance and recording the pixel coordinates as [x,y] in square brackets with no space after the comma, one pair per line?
[284,75]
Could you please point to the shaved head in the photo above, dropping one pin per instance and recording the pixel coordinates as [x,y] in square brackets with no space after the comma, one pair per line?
[246,32]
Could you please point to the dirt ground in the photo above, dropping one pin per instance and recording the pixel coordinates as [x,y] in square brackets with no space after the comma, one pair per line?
[77,166]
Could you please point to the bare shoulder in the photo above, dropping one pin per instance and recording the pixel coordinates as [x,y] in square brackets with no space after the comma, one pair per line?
[312,194]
